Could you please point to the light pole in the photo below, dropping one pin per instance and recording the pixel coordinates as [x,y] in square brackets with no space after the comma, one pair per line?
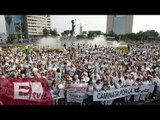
[13,23]
[20,30]
[146,30]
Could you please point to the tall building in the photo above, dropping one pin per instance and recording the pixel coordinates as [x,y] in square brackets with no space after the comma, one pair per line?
[36,24]
[119,24]
[31,25]
[15,25]
[80,30]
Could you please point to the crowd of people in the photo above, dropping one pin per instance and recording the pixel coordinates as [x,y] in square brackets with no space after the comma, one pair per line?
[93,66]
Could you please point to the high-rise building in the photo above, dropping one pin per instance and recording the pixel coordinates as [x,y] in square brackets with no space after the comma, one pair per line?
[31,25]
[36,24]
[15,25]
[80,30]
[119,24]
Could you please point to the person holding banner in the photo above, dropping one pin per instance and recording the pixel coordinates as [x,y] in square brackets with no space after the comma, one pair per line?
[55,89]
[112,87]
[61,99]
[128,82]
[105,87]
[137,83]
[118,86]
[98,87]
[143,96]
[155,80]
[90,88]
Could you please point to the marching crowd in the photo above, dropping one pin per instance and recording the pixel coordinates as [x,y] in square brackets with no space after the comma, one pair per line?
[93,66]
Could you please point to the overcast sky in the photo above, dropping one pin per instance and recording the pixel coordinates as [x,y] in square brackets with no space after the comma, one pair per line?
[96,22]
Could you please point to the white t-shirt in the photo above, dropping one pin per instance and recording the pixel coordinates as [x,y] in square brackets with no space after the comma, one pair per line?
[112,87]
[90,90]
[119,86]
[98,87]
[129,82]
[156,79]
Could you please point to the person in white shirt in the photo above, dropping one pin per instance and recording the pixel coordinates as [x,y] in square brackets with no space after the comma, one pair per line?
[156,91]
[83,83]
[112,87]
[72,71]
[77,81]
[58,75]
[129,82]
[85,74]
[143,96]
[94,80]
[98,85]
[95,73]
[90,89]
[105,87]
[137,96]
[118,86]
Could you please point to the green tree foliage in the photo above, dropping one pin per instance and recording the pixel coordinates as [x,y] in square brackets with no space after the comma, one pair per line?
[80,36]
[111,33]
[147,35]
[92,34]
[45,32]
[54,32]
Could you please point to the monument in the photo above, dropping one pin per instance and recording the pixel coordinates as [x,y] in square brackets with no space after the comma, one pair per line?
[73,28]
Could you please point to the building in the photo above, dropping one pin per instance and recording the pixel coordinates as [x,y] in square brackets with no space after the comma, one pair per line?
[36,24]
[119,24]
[3,38]
[27,26]
[80,30]
[15,25]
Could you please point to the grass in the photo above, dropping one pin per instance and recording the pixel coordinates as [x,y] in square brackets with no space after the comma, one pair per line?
[22,47]
[124,48]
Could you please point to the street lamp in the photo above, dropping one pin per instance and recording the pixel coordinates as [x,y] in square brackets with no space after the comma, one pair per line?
[13,24]
[145,31]
[20,30]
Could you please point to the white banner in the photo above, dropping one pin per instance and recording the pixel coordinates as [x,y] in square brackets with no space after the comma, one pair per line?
[76,94]
[122,92]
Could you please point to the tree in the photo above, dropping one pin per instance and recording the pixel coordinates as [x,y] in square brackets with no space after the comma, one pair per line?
[53,32]
[80,36]
[45,32]
[111,33]
[131,36]
[140,35]
[124,37]
[62,33]
[91,35]
[151,34]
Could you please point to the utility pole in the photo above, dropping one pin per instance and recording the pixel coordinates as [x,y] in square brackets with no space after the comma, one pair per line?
[20,30]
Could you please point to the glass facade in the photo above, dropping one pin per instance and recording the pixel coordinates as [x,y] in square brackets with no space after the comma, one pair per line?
[119,24]
[15,24]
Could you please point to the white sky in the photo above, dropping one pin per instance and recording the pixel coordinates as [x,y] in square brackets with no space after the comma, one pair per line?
[96,22]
